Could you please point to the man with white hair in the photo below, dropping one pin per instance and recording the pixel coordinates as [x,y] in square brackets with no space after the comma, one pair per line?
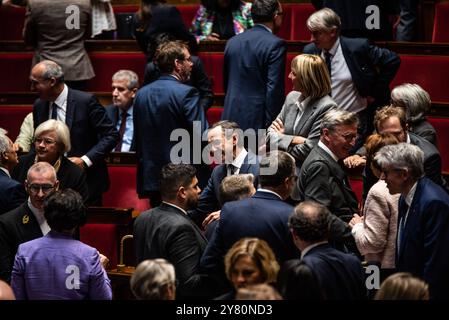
[423,224]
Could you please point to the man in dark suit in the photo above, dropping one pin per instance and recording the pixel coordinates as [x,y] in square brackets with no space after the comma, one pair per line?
[12,193]
[339,275]
[160,108]
[92,134]
[226,147]
[323,180]
[27,222]
[125,84]
[423,222]
[264,215]
[253,72]
[167,231]
[360,72]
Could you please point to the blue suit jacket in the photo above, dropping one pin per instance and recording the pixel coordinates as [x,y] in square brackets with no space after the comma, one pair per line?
[159,108]
[91,133]
[372,68]
[12,193]
[254,67]
[423,248]
[340,275]
[264,216]
[209,198]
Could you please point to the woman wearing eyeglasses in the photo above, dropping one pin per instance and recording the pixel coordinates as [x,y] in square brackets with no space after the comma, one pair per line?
[296,129]
[51,142]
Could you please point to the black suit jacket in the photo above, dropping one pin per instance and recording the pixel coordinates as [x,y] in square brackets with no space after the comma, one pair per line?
[12,193]
[91,134]
[69,174]
[264,215]
[113,114]
[340,275]
[209,198]
[372,68]
[166,232]
[16,227]
[198,79]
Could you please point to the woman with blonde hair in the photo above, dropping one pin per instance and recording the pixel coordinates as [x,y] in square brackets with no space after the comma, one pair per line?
[249,261]
[297,127]
[154,280]
[403,286]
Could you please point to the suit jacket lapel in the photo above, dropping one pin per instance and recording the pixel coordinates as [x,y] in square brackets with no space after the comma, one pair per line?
[70,111]
[308,112]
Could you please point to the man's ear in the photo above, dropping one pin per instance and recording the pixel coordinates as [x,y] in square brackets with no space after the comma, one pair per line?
[134,91]
[182,192]
[56,185]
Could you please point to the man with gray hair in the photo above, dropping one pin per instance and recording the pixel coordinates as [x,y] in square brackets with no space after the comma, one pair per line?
[26,222]
[12,193]
[423,222]
[92,134]
[125,84]
[321,177]
[360,72]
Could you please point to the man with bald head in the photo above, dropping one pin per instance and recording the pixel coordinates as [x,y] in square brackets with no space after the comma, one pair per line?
[26,222]
[92,134]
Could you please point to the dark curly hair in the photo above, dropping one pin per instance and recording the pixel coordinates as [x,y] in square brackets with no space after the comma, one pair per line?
[212,5]
[310,221]
[64,210]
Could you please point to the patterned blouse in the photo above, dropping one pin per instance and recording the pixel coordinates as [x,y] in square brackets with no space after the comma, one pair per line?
[204,19]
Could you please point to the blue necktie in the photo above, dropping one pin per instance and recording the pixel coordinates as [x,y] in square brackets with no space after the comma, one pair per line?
[402,222]
[54,111]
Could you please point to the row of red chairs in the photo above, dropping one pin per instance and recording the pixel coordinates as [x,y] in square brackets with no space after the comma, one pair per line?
[427,71]
[294,24]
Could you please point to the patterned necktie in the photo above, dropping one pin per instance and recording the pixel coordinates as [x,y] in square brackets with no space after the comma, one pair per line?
[121,131]
[231,169]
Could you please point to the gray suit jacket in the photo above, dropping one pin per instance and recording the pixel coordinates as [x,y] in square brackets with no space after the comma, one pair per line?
[307,127]
[46,29]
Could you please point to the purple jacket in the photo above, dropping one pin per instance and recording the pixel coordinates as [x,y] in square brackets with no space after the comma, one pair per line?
[59,267]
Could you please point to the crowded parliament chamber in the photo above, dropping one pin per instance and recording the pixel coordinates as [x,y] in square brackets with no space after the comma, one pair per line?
[224,150]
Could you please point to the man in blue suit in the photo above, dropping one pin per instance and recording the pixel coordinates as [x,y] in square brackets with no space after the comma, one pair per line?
[340,275]
[12,193]
[264,215]
[160,108]
[92,134]
[254,67]
[423,222]
[360,72]
[125,84]
[226,147]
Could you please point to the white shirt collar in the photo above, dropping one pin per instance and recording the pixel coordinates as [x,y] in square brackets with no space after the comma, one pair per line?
[6,171]
[39,215]
[409,198]
[327,150]
[175,206]
[238,161]
[269,191]
[408,138]
[61,100]
[307,249]
[333,50]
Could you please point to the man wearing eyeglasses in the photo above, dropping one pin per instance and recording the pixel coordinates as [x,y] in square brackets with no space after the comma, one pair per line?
[26,222]
[322,179]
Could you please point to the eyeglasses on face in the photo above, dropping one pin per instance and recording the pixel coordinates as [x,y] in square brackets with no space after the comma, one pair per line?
[46,141]
[35,188]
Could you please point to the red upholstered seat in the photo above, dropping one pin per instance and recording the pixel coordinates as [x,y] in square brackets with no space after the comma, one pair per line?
[288,67]
[427,71]
[106,64]
[441,22]
[122,192]
[300,14]
[357,187]
[103,238]
[11,118]
[441,125]
[214,115]
[11,23]
[285,31]
[15,68]
[188,12]
[126,9]
[213,65]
